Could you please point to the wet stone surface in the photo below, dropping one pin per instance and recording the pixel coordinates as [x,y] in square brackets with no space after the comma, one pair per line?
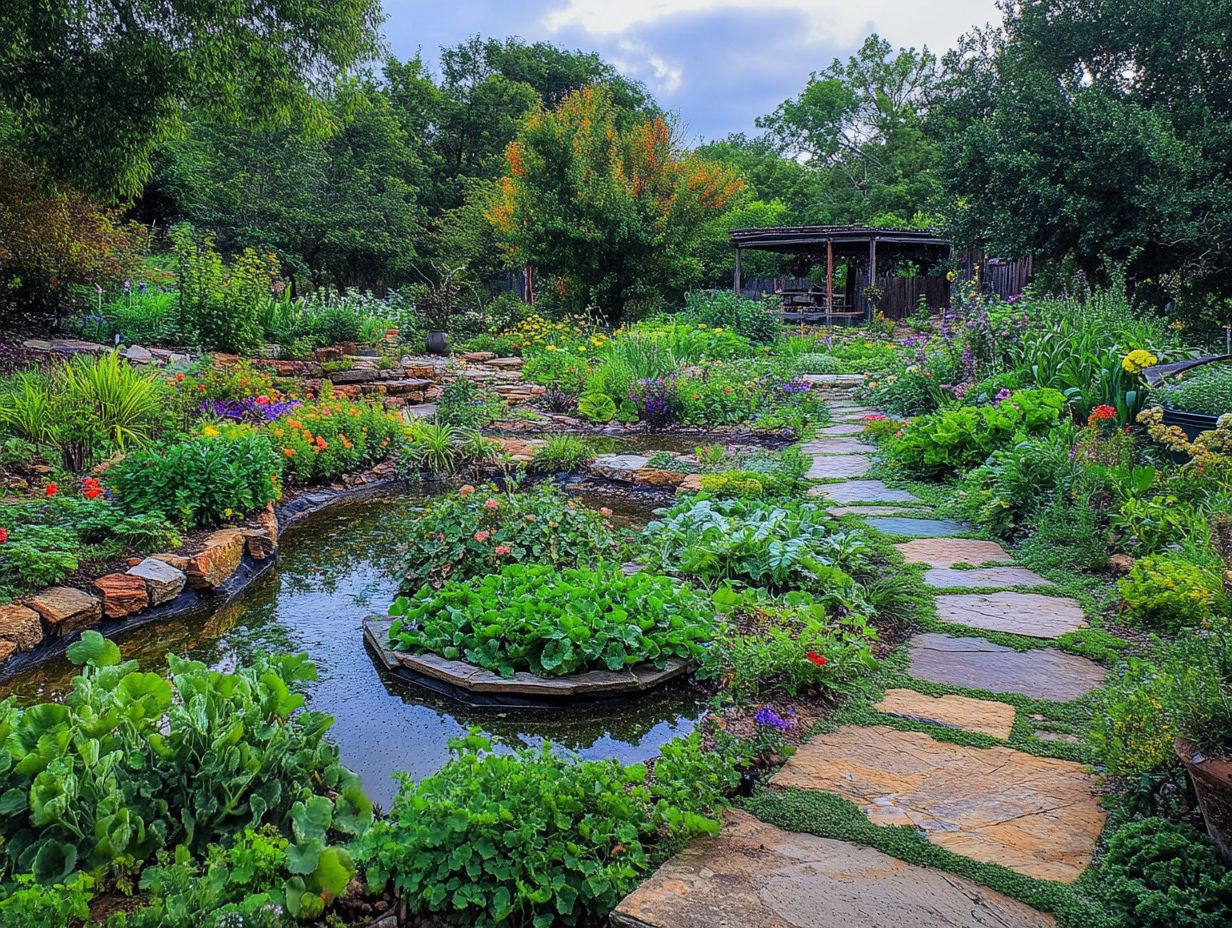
[1027,614]
[978,664]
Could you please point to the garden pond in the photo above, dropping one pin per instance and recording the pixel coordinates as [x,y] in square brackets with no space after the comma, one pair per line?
[334,570]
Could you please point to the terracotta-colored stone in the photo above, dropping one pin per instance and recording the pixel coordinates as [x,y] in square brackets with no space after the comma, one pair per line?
[261,535]
[946,552]
[755,875]
[21,626]
[1120,564]
[163,582]
[653,477]
[692,483]
[1028,614]
[979,715]
[66,609]
[1036,815]
[7,650]
[218,560]
[123,594]
[478,356]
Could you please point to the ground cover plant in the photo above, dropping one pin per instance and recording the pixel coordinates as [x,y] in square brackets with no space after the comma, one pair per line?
[478,530]
[533,617]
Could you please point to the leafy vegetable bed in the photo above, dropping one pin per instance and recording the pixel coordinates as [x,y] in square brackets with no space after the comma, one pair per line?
[533,618]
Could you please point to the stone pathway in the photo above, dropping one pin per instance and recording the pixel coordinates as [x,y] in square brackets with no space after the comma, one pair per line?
[1039,816]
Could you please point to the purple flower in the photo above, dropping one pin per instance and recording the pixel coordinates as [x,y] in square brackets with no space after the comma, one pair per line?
[1002,396]
[767,716]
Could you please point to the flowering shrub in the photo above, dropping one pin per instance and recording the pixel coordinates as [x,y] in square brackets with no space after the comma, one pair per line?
[549,622]
[654,400]
[203,481]
[325,439]
[1170,592]
[478,531]
[721,395]
[1137,361]
[557,370]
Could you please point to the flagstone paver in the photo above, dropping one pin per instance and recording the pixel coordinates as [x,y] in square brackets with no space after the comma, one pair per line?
[1017,613]
[984,716]
[831,466]
[842,428]
[1036,815]
[936,552]
[754,875]
[982,578]
[838,446]
[865,491]
[873,511]
[978,664]
[920,528]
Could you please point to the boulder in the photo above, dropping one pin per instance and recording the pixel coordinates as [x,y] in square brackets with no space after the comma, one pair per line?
[261,535]
[7,650]
[66,609]
[123,594]
[692,483]
[215,563]
[20,626]
[654,477]
[163,582]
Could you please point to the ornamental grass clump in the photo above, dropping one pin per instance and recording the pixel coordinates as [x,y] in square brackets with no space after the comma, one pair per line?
[479,530]
[551,623]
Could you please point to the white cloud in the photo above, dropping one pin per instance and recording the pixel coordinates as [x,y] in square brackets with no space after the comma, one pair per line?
[838,22]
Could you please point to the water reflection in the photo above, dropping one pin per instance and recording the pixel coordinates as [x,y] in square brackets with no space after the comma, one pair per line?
[331,573]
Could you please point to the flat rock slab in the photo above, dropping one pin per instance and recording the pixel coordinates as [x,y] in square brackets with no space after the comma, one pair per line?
[919,528]
[833,466]
[937,553]
[843,428]
[1017,613]
[995,719]
[754,875]
[837,446]
[1036,815]
[870,511]
[988,578]
[866,491]
[618,466]
[978,664]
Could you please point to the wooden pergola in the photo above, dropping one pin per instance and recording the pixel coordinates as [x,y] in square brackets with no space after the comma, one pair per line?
[863,249]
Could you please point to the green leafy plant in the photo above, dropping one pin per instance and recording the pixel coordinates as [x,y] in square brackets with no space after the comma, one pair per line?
[534,839]
[1168,591]
[1206,390]
[531,617]
[759,322]
[458,536]
[596,407]
[562,453]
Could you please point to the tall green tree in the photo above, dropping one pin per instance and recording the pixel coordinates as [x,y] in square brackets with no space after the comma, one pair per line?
[91,87]
[859,125]
[1094,131]
[614,215]
[339,208]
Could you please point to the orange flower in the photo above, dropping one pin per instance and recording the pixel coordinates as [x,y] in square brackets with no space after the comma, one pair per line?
[289,452]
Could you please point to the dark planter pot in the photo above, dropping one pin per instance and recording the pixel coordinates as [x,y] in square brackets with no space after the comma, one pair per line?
[1192,424]
[436,343]
[1212,781]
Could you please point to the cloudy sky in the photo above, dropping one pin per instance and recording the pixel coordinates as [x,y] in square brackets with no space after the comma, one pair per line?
[718,63]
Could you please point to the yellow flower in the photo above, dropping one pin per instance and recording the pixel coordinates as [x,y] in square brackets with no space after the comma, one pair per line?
[718,330]
[581,347]
[551,348]
[210,432]
[1138,360]
[701,325]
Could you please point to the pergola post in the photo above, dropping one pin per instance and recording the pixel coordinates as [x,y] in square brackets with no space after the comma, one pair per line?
[872,278]
[737,278]
[829,280]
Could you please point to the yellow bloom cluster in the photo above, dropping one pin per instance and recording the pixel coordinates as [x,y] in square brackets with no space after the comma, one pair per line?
[1138,360]
[535,330]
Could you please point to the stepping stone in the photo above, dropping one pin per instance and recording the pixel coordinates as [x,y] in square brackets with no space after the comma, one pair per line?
[870,511]
[995,719]
[978,664]
[1036,815]
[618,466]
[755,875]
[1016,613]
[1059,736]
[936,553]
[831,466]
[866,491]
[838,446]
[920,528]
[843,428]
[982,578]
[825,380]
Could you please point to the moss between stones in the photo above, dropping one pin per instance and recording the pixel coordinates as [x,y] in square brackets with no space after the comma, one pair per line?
[831,816]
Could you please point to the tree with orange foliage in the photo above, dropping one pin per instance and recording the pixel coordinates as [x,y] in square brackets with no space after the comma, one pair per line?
[616,216]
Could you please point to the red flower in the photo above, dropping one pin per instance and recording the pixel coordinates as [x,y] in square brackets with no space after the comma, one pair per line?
[816,658]
[493,504]
[92,492]
[262,400]
[482,536]
[4,535]
[466,490]
[51,490]
[179,378]
[200,388]
[502,550]
[1102,412]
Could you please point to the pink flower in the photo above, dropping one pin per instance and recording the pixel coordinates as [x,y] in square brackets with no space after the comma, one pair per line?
[466,490]
[873,417]
[482,536]
[493,504]
[502,550]
[531,517]
[604,511]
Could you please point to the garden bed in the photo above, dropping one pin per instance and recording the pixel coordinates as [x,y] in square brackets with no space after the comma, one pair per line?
[478,687]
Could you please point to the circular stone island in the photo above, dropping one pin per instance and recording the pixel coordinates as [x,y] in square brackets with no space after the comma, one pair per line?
[476,686]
